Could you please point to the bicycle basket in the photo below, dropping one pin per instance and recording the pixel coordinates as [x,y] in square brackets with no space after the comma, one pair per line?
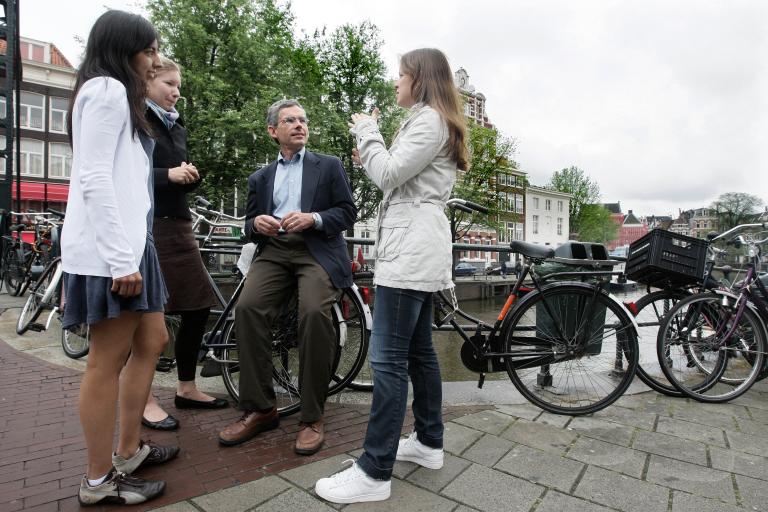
[664,258]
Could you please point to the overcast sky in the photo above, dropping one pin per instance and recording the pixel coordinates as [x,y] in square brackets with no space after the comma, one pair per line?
[662,102]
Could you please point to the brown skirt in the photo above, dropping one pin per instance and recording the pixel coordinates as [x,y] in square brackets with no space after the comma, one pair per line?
[183,270]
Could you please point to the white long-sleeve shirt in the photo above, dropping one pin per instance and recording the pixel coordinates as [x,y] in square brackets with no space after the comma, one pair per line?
[105,228]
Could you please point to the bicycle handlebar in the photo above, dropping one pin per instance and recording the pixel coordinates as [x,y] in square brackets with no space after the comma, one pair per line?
[466,206]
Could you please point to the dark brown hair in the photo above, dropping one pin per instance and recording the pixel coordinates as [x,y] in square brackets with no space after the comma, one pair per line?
[432,84]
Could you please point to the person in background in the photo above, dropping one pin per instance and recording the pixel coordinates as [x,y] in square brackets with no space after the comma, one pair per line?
[413,260]
[112,279]
[298,209]
[191,296]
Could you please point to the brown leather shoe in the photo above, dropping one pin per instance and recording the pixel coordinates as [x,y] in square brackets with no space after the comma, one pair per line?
[248,427]
[310,438]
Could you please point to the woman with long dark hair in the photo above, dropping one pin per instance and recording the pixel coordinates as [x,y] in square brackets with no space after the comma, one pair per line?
[112,279]
[413,260]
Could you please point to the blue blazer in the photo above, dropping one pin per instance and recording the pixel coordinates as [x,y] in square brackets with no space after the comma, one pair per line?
[325,190]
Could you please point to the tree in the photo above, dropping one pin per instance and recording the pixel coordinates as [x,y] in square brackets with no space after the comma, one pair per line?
[734,208]
[233,55]
[583,190]
[596,225]
[490,155]
[353,79]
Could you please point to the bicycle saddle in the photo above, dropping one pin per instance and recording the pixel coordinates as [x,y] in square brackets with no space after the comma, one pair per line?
[530,250]
[17,227]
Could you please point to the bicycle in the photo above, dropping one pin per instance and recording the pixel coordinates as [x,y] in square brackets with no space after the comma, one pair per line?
[25,261]
[711,346]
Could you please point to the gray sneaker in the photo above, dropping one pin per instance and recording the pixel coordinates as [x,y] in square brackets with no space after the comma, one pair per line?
[149,454]
[119,489]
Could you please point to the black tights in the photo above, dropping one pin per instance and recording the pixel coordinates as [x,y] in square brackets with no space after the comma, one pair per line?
[188,340]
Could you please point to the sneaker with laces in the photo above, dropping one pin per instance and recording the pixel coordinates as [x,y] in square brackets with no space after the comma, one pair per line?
[119,488]
[352,486]
[411,449]
[149,454]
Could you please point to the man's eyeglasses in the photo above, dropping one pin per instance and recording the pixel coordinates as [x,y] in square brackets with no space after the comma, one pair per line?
[291,120]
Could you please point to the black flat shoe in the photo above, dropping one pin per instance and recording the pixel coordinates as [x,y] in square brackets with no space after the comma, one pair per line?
[188,403]
[167,423]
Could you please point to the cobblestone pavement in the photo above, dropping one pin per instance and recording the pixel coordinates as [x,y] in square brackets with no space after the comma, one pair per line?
[647,452]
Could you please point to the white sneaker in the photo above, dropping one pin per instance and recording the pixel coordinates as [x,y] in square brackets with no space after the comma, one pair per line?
[411,449]
[352,486]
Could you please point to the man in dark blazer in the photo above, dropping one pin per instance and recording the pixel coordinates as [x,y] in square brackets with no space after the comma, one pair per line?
[298,209]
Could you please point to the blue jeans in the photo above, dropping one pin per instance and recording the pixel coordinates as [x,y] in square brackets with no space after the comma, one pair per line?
[401,345]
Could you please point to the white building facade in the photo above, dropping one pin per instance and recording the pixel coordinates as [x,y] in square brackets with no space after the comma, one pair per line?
[546,216]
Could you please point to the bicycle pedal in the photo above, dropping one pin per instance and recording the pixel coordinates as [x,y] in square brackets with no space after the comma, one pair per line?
[36,327]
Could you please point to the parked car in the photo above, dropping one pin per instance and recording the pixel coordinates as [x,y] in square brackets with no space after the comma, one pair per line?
[465,269]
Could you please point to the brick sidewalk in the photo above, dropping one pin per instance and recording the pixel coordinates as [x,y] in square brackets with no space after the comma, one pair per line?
[42,452]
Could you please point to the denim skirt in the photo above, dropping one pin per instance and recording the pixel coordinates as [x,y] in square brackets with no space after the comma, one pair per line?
[89,299]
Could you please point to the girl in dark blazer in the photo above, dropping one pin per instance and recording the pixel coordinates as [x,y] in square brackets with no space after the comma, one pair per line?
[191,297]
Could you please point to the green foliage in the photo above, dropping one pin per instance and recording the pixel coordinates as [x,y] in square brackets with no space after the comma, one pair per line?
[734,208]
[584,192]
[239,56]
[595,224]
[490,155]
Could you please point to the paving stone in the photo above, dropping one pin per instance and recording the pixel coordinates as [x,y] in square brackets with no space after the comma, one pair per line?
[464,508]
[739,462]
[488,450]
[242,497]
[629,417]
[177,507]
[699,480]
[556,420]
[558,502]
[705,416]
[635,402]
[295,501]
[435,480]
[541,436]
[752,401]
[754,493]
[525,411]
[491,422]
[457,437]
[603,430]
[305,476]
[608,456]
[693,431]
[671,446]
[747,443]
[487,489]
[682,502]
[405,497]
[621,491]
[751,427]
[729,409]
[758,415]
[541,467]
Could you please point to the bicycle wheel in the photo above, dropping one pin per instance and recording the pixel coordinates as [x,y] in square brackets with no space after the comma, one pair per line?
[570,349]
[352,368]
[704,364]
[76,341]
[651,309]
[16,271]
[41,296]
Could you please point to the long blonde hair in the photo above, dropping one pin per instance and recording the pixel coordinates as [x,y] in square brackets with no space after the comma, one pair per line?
[433,85]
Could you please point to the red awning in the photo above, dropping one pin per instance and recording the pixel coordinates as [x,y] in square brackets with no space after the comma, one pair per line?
[36,191]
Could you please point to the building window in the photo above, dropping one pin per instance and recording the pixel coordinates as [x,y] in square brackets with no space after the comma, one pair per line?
[535,203]
[560,206]
[535,225]
[60,160]
[31,51]
[560,225]
[58,120]
[32,157]
[518,203]
[31,110]
[548,204]
[519,231]
[2,107]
